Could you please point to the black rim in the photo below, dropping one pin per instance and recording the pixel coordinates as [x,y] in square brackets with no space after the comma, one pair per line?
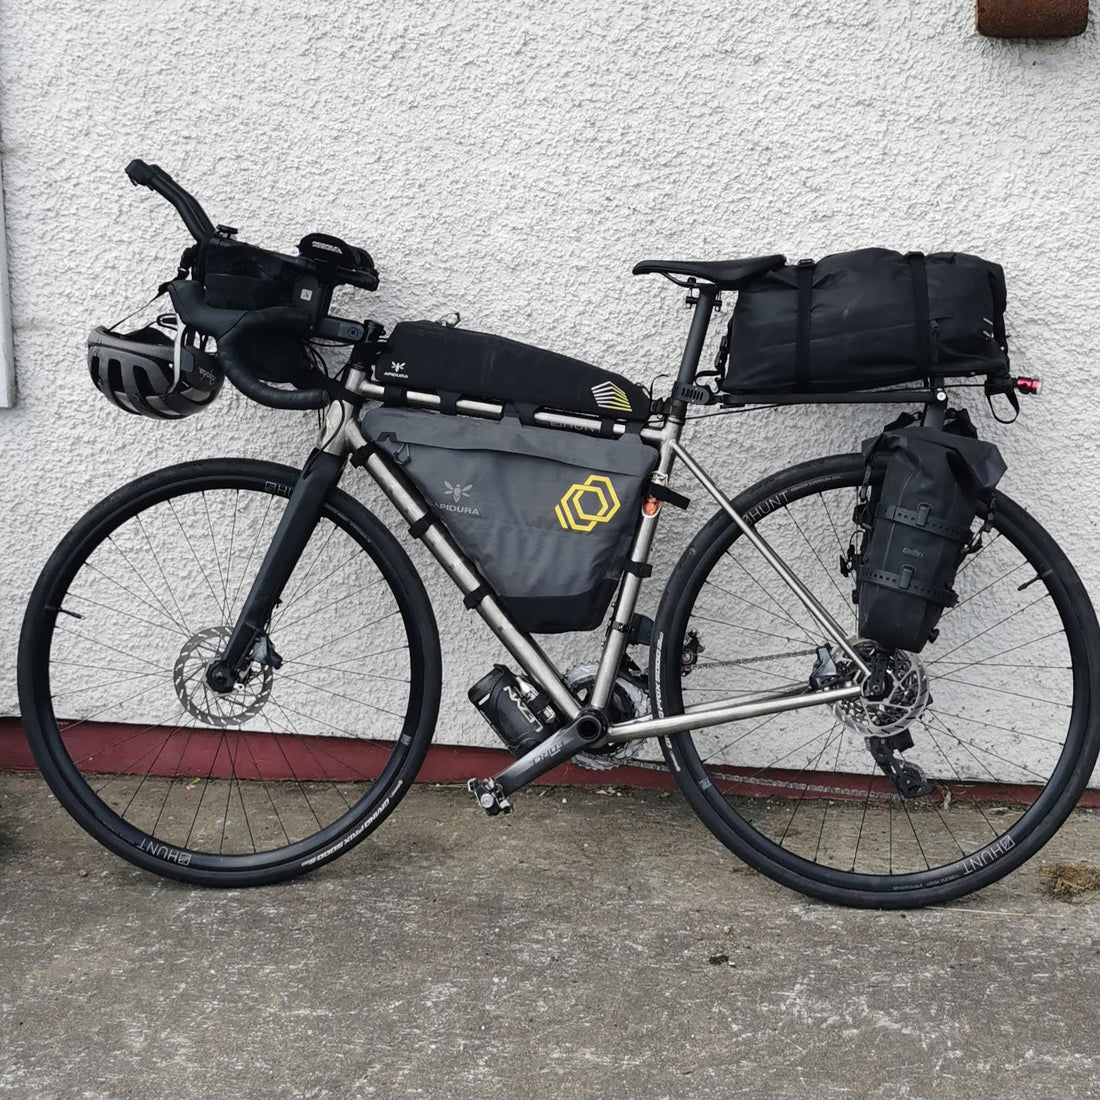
[275,772]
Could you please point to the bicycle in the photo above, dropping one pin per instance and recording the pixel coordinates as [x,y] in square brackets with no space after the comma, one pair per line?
[197,702]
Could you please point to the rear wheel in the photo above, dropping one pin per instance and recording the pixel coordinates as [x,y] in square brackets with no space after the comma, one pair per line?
[305,756]
[999,707]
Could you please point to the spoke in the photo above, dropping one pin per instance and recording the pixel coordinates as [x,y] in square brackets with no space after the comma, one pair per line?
[194,553]
[947,760]
[740,598]
[783,612]
[1007,618]
[825,807]
[344,595]
[1004,691]
[971,745]
[223,603]
[986,587]
[157,608]
[248,571]
[740,627]
[160,568]
[1056,632]
[940,712]
[340,695]
[80,600]
[300,575]
[845,599]
[350,634]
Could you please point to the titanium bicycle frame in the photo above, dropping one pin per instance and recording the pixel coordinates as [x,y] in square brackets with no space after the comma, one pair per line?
[340,437]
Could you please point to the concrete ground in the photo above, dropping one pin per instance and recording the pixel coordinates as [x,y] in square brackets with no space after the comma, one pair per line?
[593,944]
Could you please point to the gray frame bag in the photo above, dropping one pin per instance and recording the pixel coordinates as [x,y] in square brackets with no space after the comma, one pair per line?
[547,516]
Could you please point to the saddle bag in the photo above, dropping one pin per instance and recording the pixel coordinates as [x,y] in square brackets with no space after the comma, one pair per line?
[547,516]
[933,485]
[866,319]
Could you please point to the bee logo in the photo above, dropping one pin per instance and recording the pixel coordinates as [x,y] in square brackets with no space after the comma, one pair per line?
[457,491]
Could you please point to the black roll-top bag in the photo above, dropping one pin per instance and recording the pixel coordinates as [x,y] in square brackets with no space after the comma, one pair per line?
[867,319]
[934,484]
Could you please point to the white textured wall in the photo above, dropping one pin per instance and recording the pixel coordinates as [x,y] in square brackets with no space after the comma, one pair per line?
[512,160]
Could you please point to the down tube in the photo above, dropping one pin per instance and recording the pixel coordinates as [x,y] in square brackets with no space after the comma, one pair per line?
[827,623]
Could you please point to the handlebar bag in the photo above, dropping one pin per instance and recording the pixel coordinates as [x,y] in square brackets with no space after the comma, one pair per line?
[933,485]
[866,319]
[547,516]
[236,275]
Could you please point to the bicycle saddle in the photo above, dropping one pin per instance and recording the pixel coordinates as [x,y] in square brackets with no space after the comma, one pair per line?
[725,274]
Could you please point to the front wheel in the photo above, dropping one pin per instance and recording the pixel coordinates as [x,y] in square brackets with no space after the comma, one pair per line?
[999,707]
[313,747]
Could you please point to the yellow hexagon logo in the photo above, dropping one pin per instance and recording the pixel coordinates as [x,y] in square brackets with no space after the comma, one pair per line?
[583,506]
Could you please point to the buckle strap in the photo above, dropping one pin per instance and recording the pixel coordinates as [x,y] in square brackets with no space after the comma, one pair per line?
[904,582]
[923,519]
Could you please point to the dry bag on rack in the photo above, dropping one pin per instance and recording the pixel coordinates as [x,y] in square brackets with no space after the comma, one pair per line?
[547,516]
[920,521]
[866,319]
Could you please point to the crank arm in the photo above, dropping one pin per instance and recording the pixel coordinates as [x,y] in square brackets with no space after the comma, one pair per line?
[579,735]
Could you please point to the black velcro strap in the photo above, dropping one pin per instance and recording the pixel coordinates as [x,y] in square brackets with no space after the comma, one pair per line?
[638,569]
[393,395]
[448,402]
[334,388]
[923,519]
[419,526]
[360,455]
[663,492]
[922,323]
[805,274]
[472,599]
[904,582]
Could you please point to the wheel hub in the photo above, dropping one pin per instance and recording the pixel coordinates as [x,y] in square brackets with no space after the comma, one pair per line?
[905,698]
[213,708]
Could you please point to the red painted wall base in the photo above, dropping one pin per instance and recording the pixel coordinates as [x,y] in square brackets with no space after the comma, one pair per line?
[136,750]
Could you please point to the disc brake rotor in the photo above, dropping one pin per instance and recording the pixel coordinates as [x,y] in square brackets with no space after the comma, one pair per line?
[212,708]
[906,698]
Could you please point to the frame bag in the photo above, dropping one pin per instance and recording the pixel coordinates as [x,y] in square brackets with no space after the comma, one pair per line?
[547,516]
[865,319]
[933,486]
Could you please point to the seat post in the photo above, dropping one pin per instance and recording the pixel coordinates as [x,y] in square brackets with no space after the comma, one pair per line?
[697,334]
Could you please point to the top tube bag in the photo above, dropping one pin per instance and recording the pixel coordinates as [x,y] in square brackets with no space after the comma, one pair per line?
[548,516]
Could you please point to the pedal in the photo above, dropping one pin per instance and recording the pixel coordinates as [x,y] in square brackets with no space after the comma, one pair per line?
[490,796]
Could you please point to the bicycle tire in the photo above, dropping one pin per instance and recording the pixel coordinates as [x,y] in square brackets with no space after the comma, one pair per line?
[1006,730]
[298,763]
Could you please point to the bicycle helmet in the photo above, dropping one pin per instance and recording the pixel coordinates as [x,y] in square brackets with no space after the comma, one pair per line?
[149,373]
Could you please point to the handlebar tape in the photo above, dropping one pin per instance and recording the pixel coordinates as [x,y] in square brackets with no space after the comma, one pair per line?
[232,326]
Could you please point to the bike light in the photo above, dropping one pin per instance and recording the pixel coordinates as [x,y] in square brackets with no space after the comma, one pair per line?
[1030,386]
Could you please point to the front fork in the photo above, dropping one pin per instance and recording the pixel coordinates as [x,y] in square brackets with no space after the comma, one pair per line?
[307,500]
